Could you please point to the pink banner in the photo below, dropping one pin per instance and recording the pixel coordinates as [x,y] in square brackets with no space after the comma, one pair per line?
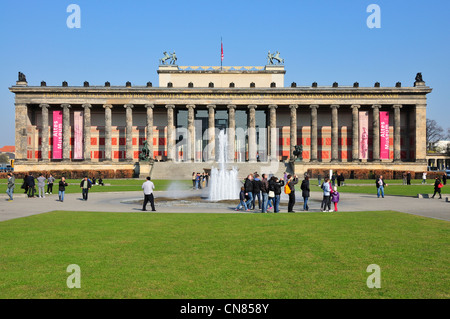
[363,135]
[384,135]
[57,135]
[78,135]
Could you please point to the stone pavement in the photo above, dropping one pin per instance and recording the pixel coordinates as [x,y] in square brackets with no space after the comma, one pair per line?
[128,202]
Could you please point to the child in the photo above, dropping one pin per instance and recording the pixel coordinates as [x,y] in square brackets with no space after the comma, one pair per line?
[335,198]
[243,200]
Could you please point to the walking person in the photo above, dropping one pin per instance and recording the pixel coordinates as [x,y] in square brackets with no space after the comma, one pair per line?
[25,185]
[10,187]
[305,193]
[380,186]
[148,188]
[275,186]
[62,188]
[41,185]
[256,191]
[242,200]
[85,186]
[404,178]
[424,178]
[444,179]
[292,181]
[437,187]
[335,198]
[31,186]
[264,193]
[326,204]
[50,181]
[248,185]
[408,178]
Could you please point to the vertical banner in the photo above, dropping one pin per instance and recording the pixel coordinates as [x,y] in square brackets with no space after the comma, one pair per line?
[384,135]
[363,134]
[78,135]
[57,135]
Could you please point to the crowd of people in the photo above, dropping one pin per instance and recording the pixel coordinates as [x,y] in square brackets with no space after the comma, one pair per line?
[200,180]
[30,182]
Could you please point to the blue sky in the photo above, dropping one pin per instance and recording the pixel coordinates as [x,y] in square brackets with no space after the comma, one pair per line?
[323,41]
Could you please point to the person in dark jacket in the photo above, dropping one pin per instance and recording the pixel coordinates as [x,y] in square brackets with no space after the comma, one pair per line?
[380,186]
[256,191]
[85,186]
[275,186]
[248,185]
[444,179]
[305,193]
[437,189]
[408,178]
[242,200]
[292,181]
[265,194]
[62,188]
[31,186]
[24,185]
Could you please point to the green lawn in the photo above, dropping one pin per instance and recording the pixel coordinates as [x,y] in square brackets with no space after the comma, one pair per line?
[308,255]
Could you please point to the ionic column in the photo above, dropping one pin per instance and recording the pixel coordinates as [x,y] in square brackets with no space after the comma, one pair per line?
[273,132]
[293,130]
[44,132]
[108,133]
[231,132]
[87,132]
[376,132]
[211,133]
[334,133]
[355,133]
[252,133]
[66,131]
[421,132]
[191,131]
[21,131]
[129,131]
[149,136]
[314,132]
[397,139]
[170,133]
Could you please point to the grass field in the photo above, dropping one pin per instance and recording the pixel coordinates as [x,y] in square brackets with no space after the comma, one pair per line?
[135,255]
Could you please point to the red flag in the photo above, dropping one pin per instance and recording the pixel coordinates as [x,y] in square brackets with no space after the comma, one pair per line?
[221,50]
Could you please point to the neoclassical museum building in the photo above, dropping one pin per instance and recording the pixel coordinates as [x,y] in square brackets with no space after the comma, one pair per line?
[103,126]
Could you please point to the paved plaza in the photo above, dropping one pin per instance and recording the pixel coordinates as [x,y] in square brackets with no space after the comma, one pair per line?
[129,202]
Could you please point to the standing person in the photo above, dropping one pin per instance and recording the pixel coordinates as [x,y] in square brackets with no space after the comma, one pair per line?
[264,193]
[292,181]
[256,191]
[100,181]
[50,181]
[444,179]
[333,179]
[41,185]
[25,185]
[242,200]
[62,188]
[305,193]
[10,187]
[194,178]
[31,186]
[85,186]
[207,179]
[275,186]
[335,198]
[404,178]
[342,179]
[285,177]
[326,187]
[437,187]
[248,185]
[319,179]
[408,178]
[148,188]
[380,186]
[424,178]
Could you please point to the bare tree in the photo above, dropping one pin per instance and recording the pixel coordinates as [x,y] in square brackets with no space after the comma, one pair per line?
[434,133]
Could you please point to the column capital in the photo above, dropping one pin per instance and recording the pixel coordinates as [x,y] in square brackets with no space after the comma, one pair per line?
[273,106]
[86,106]
[314,106]
[334,106]
[293,106]
[355,106]
[170,106]
[107,106]
[231,106]
[421,105]
[65,106]
[252,106]
[397,106]
[44,106]
[128,106]
[190,106]
[376,106]
[151,106]
[211,106]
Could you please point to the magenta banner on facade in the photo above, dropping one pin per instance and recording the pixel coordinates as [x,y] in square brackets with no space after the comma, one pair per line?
[57,135]
[78,135]
[384,135]
[363,135]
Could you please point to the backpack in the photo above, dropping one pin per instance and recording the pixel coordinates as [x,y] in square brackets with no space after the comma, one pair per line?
[287,189]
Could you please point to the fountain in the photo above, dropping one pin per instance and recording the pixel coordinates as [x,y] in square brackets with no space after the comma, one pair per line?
[224,182]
